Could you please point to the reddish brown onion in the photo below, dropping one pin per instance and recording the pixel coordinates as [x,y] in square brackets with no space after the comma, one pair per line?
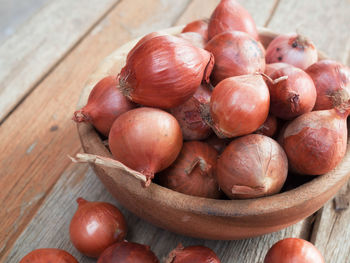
[45,255]
[252,166]
[229,15]
[195,39]
[218,143]
[164,72]
[143,40]
[329,77]
[128,252]
[315,142]
[290,250]
[193,171]
[147,140]
[192,125]
[292,49]
[95,226]
[236,53]
[293,96]
[239,105]
[198,26]
[269,127]
[192,254]
[104,105]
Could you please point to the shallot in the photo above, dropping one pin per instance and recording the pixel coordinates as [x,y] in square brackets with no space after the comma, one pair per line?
[192,254]
[45,255]
[198,26]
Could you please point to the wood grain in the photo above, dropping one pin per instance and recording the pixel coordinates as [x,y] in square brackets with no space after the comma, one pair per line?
[36,48]
[39,134]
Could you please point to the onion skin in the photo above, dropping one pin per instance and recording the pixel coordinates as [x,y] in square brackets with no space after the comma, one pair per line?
[128,252]
[95,226]
[269,127]
[218,143]
[292,49]
[192,254]
[239,105]
[290,250]
[164,72]
[236,53]
[329,78]
[270,68]
[147,140]
[105,104]
[198,26]
[315,142]
[229,15]
[143,40]
[188,115]
[193,171]
[293,96]
[195,39]
[45,255]
[252,166]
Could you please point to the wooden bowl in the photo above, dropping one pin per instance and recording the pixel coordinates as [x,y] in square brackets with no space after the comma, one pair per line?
[202,217]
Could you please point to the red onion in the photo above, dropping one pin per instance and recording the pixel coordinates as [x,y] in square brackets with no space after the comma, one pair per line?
[104,105]
[315,142]
[195,39]
[192,125]
[239,105]
[293,96]
[236,53]
[45,255]
[193,171]
[128,252]
[192,254]
[269,127]
[329,77]
[252,166]
[145,139]
[164,72]
[95,226]
[291,250]
[292,49]
[218,143]
[198,26]
[229,15]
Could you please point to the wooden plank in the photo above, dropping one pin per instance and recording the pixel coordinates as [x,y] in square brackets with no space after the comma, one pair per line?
[39,134]
[78,181]
[37,47]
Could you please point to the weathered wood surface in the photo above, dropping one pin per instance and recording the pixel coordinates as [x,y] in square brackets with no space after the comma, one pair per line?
[34,157]
[36,48]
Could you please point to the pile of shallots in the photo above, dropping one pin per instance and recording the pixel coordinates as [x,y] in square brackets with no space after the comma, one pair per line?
[209,112]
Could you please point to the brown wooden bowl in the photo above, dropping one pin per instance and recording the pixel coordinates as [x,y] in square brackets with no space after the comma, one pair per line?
[202,217]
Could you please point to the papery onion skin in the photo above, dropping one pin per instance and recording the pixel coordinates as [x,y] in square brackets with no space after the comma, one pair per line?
[95,226]
[194,38]
[188,115]
[193,171]
[128,252]
[164,72]
[236,53]
[105,104]
[290,250]
[329,78]
[218,143]
[315,142]
[269,127]
[147,140]
[270,68]
[198,26]
[292,49]
[143,40]
[229,15]
[239,105]
[252,166]
[45,255]
[192,254]
[293,96]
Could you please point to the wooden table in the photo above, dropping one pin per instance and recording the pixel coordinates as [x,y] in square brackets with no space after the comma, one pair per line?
[43,68]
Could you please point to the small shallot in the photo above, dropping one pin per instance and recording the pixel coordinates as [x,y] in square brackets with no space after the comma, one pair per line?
[229,15]
[292,49]
[104,105]
[269,127]
[192,254]
[45,255]
[252,166]
[193,171]
[236,53]
[329,77]
[198,26]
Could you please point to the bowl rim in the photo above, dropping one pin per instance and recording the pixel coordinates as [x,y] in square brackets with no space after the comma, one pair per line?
[267,205]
